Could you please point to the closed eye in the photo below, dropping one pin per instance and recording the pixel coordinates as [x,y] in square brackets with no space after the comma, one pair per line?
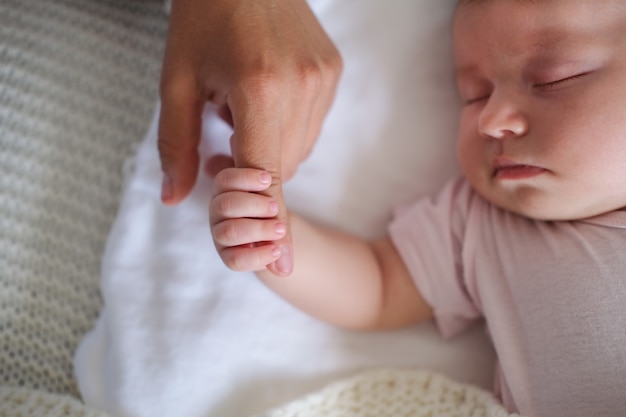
[477,99]
[554,84]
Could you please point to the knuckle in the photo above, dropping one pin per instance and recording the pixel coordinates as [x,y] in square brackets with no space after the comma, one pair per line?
[177,86]
[231,232]
[264,87]
[222,177]
[218,234]
[213,213]
[225,232]
[332,68]
[225,205]
[258,258]
[167,149]
[334,64]
[315,76]
[310,78]
[175,152]
[221,205]
[225,177]
[229,260]
[237,263]
[232,177]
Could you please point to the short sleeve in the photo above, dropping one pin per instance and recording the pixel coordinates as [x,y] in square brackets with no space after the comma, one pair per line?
[429,236]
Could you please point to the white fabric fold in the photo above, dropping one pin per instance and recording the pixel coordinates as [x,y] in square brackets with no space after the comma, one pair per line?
[180,334]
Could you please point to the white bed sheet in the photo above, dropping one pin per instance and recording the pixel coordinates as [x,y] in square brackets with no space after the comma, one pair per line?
[181,335]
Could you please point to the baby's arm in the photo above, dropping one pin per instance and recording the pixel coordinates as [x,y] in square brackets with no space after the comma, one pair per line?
[337,277]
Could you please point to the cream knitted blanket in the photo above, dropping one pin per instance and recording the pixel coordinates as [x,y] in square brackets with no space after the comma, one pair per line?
[78,83]
[379,393]
[395,393]
[24,402]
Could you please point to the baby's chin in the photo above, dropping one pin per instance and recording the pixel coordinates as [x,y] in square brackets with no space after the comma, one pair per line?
[543,206]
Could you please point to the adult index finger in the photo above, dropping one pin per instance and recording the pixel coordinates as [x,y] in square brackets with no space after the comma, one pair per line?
[256,143]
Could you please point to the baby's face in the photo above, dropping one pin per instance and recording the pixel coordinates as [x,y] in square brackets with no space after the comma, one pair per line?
[543,130]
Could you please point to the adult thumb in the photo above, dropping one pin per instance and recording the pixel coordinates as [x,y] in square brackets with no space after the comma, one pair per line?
[180,122]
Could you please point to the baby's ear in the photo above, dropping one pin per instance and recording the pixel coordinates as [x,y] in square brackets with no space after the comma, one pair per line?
[216,163]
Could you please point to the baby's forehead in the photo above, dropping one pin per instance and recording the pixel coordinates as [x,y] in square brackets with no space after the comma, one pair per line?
[537,35]
[550,22]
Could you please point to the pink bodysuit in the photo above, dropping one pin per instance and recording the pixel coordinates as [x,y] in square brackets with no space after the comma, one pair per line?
[553,295]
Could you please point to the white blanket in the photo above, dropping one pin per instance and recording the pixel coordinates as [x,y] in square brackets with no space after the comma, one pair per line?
[181,335]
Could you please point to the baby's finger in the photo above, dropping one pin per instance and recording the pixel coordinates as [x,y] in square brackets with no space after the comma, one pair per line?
[236,204]
[250,258]
[236,232]
[241,179]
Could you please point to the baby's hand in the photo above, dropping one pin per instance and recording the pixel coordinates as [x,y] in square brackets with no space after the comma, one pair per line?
[243,222]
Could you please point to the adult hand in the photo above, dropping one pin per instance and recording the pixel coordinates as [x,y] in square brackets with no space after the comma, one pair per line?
[273,71]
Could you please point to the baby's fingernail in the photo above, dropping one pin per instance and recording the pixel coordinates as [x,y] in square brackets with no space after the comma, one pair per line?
[276,252]
[265,178]
[167,187]
[274,207]
[284,264]
[280,228]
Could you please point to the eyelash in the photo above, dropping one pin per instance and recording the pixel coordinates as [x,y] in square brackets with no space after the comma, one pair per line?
[543,87]
[476,100]
[549,86]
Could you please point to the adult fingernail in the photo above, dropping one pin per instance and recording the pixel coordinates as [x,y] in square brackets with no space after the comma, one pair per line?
[167,187]
[284,264]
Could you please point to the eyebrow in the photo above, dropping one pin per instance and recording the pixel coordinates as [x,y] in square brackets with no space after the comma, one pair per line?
[551,38]
[564,46]
[545,54]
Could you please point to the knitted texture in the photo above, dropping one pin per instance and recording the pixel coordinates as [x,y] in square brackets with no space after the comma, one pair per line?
[22,402]
[78,83]
[395,393]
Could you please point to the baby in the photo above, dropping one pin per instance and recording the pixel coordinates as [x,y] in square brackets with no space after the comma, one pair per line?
[532,238]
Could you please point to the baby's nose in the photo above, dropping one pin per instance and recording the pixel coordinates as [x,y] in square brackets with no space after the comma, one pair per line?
[501,119]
